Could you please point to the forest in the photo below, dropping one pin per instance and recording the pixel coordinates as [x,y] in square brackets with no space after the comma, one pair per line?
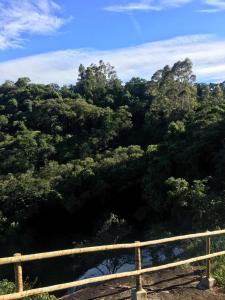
[151,152]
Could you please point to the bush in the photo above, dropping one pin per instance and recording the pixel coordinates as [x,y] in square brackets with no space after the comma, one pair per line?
[7,287]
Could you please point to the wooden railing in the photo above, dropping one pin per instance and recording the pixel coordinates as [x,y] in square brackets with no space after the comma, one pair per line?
[18,259]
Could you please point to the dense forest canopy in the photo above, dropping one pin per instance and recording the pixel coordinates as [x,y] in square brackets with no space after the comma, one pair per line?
[149,151]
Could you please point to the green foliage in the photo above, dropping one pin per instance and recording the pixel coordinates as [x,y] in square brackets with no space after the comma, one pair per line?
[147,150]
[20,197]
[7,287]
[176,128]
[98,83]
[3,120]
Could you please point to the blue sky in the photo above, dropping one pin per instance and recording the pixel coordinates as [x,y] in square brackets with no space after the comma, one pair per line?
[47,40]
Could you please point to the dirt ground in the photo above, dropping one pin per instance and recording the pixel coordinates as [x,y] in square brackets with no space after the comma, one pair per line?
[166,285]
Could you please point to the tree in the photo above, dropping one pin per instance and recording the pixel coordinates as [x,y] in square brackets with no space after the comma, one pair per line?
[22,82]
[150,151]
[174,98]
[96,81]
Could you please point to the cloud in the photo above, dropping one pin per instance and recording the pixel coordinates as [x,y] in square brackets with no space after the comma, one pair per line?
[215,6]
[206,52]
[210,10]
[146,5]
[212,6]
[133,6]
[19,18]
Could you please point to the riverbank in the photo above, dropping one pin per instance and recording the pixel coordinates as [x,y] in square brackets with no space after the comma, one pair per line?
[177,284]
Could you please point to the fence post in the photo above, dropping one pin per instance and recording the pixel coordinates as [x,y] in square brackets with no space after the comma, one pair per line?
[208,281]
[138,267]
[18,274]
[139,293]
[208,261]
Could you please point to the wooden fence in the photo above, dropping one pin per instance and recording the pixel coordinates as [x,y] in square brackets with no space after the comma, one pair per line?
[18,259]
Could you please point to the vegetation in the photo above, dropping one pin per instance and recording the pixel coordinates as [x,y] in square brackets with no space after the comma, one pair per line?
[7,287]
[150,151]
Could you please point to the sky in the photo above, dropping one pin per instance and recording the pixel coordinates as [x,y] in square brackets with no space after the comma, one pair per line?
[47,40]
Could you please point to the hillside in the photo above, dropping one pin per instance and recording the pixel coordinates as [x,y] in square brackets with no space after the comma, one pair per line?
[112,161]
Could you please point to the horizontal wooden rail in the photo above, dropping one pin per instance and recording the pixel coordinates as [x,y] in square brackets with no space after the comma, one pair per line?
[17,260]
[45,255]
[98,279]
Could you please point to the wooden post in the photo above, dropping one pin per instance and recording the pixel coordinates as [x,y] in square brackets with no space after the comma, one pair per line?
[208,261]
[18,274]
[208,281]
[138,268]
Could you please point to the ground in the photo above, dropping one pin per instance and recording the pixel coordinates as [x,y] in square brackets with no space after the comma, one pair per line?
[178,284]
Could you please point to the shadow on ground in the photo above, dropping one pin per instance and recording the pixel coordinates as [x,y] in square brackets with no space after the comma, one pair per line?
[178,284]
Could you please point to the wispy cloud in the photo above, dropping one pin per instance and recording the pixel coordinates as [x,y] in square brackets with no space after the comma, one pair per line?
[18,18]
[145,5]
[214,6]
[209,6]
[206,52]
[132,6]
